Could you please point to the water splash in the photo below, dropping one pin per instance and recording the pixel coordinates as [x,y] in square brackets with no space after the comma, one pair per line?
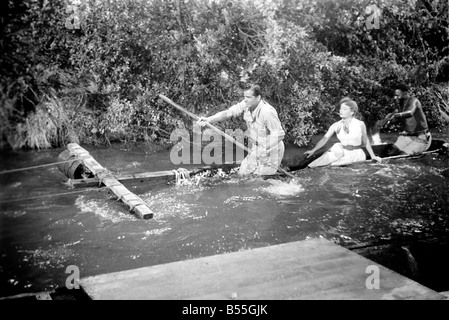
[157,232]
[53,257]
[391,172]
[182,177]
[133,164]
[281,188]
[236,201]
[13,213]
[103,209]
[167,205]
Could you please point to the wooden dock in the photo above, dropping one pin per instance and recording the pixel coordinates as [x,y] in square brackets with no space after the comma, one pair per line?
[136,205]
[309,269]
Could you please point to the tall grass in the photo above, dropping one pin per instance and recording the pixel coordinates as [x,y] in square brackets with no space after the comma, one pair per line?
[48,126]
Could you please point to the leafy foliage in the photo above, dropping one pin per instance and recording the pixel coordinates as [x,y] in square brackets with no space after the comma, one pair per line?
[91,70]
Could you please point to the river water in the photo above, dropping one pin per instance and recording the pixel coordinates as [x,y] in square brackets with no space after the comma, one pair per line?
[46,226]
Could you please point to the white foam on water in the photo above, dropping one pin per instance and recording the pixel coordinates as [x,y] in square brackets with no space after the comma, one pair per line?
[165,205]
[103,209]
[13,213]
[281,188]
[411,167]
[235,201]
[156,232]
[53,257]
[408,225]
[133,164]
[385,172]
[394,172]
[208,177]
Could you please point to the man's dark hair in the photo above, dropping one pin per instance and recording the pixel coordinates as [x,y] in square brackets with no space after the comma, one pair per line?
[255,89]
[401,86]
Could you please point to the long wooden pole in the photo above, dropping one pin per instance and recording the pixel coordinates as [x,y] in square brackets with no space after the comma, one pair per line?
[215,129]
[410,155]
[401,156]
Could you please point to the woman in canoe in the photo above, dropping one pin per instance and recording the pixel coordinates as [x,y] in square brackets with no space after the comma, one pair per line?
[352,135]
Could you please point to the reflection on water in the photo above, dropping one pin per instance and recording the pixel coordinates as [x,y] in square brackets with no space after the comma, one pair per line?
[212,214]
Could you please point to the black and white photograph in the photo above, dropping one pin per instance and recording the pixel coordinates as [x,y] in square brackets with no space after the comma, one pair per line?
[225,155]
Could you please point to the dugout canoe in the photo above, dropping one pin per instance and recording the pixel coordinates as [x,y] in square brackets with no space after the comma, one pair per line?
[294,160]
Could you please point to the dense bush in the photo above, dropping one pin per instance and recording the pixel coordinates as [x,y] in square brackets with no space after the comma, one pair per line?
[91,71]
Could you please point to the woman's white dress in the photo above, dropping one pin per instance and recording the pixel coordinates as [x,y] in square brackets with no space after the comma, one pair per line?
[349,136]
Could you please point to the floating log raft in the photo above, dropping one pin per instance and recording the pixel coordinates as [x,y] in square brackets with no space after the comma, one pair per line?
[146,176]
[136,204]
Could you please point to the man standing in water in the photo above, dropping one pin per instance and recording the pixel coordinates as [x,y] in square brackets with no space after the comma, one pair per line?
[265,131]
[416,137]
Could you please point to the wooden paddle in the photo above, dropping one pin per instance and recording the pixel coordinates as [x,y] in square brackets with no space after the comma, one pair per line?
[375,130]
[383,122]
[215,129]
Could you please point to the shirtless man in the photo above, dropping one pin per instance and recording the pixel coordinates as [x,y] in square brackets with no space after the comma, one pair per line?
[416,137]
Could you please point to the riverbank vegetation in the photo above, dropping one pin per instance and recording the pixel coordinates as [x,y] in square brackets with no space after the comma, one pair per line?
[90,71]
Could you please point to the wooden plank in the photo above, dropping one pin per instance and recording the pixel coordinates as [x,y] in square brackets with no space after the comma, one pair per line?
[310,269]
[136,205]
[45,295]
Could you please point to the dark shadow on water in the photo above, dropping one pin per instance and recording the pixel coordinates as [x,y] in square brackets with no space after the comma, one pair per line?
[425,262]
